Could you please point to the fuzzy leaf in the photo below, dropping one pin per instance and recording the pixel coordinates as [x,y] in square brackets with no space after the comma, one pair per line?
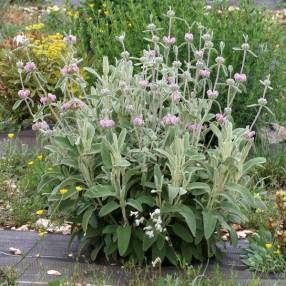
[123,236]
[100,191]
[210,221]
[108,208]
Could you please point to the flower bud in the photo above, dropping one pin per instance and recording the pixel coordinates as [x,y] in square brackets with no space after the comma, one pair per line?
[120,38]
[227,110]
[262,101]
[177,64]
[151,27]
[220,60]
[155,39]
[170,13]
[207,37]
[125,55]
[209,44]
[189,38]
[230,81]
[245,46]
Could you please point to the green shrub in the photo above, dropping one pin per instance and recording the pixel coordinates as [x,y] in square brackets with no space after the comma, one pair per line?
[143,167]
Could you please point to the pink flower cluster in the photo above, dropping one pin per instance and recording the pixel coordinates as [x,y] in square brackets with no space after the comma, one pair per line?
[189,37]
[150,53]
[176,96]
[48,99]
[138,121]
[30,67]
[71,69]
[205,73]
[70,39]
[194,127]
[199,54]
[72,104]
[170,119]
[143,83]
[250,134]
[220,118]
[241,77]
[212,94]
[168,40]
[40,125]
[24,93]
[106,123]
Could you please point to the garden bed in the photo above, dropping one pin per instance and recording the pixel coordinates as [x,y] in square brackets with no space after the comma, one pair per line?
[154,157]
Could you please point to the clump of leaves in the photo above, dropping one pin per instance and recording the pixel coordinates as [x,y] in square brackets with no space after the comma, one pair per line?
[8,276]
[263,253]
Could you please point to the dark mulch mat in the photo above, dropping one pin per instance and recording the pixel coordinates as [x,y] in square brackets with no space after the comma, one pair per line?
[51,253]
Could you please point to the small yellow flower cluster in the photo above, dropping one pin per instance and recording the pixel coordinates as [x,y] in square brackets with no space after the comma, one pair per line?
[10,135]
[35,27]
[78,188]
[63,191]
[39,212]
[74,14]
[40,157]
[49,46]
[42,233]
[268,245]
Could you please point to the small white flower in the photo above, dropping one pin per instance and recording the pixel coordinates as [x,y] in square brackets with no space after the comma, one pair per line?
[121,38]
[156,261]
[133,213]
[21,40]
[139,221]
[158,227]
[150,233]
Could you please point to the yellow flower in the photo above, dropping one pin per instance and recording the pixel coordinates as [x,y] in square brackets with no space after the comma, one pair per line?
[34,27]
[41,233]
[78,188]
[63,191]
[129,24]
[30,163]
[40,212]
[104,4]
[106,12]
[10,135]
[91,5]
[40,157]
[268,245]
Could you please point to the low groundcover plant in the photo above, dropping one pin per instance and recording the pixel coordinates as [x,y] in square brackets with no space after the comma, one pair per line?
[147,165]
